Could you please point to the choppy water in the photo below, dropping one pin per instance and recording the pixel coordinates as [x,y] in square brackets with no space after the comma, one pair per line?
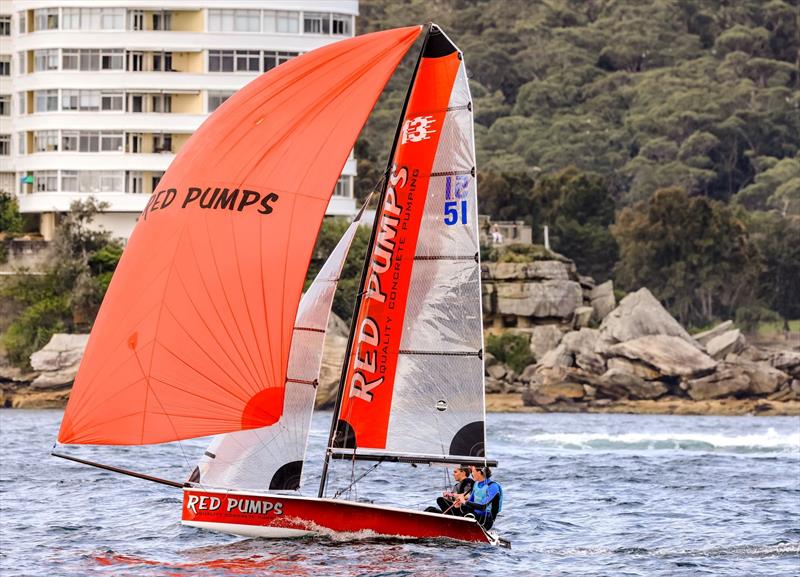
[585,495]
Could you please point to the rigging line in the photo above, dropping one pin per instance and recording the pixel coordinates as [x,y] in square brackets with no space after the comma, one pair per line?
[478,354]
[445,257]
[462,172]
[364,474]
[309,329]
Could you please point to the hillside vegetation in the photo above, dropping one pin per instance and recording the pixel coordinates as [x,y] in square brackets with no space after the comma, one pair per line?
[658,139]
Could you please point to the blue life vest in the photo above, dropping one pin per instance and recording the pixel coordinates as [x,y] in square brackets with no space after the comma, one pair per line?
[488,491]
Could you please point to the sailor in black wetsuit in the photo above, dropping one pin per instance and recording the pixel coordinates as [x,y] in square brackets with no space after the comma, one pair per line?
[462,487]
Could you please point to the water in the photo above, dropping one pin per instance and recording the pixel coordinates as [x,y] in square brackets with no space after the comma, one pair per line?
[585,494]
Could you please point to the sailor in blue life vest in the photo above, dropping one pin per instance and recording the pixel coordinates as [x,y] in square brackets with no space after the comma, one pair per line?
[486,500]
[463,487]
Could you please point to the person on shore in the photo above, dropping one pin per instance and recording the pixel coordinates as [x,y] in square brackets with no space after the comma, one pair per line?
[462,488]
[486,499]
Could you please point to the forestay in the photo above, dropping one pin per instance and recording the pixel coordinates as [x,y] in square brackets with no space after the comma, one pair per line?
[414,378]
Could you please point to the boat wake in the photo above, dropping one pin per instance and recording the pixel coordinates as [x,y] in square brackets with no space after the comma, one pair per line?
[769,442]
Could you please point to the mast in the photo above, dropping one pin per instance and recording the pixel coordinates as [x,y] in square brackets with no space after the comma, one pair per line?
[429,28]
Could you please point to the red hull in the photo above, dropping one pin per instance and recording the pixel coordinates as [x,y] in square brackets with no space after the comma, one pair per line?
[280,516]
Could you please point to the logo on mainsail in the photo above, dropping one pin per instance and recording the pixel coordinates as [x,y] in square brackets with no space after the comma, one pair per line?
[417,129]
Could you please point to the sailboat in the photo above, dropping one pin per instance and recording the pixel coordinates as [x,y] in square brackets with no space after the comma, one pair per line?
[203,330]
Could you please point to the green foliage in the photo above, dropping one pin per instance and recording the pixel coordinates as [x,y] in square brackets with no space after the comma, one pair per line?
[10,218]
[525,253]
[511,349]
[749,318]
[695,254]
[34,327]
[67,296]
[776,238]
[331,231]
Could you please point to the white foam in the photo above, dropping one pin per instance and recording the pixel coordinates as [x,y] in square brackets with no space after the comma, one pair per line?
[770,440]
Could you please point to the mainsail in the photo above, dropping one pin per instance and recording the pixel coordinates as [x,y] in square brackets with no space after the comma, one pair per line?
[194,334]
[413,385]
[271,458]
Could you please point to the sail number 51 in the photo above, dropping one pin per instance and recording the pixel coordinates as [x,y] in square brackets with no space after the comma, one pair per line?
[456,195]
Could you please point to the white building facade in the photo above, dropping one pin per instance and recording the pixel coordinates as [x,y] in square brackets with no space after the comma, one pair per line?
[98,96]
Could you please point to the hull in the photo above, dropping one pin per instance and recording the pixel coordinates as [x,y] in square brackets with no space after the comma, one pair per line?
[282,516]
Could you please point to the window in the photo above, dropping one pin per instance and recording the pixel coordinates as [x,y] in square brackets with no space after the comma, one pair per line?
[22,100]
[45,100]
[220,60]
[162,103]
[111,101]
[136,19]
[215,99]
[45,181]
[88,141]
[45,59]
[70,59]
[343,187]
[21,144]
[69,181]
[162,61]
[316,23]
[112,60]
[69,141]
[5,145]
[5,65]
[80,100]
[234,21]
[45,141]
[71,18]
[341,24]
[134,142]
[162,21]
[23,22]
[281,21]
[93,18]
[273,59]
[22,63]
[112,19]
[5,105]
[135,61]
[89,59]
[5,25]
[247,60]
[45,19]
[134,182]
[70,99]
[136,103]
[162,143]
[111,141]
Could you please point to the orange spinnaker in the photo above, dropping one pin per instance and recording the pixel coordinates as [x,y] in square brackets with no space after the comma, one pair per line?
[193,336]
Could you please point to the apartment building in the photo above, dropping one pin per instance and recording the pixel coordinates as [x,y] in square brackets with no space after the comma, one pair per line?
[98,96]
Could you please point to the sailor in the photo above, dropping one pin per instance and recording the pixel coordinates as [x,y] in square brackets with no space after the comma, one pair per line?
[486,500]
[462,487]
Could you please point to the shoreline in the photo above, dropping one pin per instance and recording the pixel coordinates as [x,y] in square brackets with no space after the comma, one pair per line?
[512,403]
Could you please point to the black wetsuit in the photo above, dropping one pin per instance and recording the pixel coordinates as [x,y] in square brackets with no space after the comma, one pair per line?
[446,505]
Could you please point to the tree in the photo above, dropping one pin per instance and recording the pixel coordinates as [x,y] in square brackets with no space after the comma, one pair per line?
[693,253]
[777,237]
[67,296]
[10,218]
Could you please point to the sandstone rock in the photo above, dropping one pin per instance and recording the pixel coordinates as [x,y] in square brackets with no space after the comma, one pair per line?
[62,352]
[558,357]
[787,361]
[706,336]
[603,300]
[493,386]
[764,380]
[591,362]
[580,342]
[724,383]
[551,393]
[544,338]
[670,355]
[634,387]
[633,368]
[497,371]
[550,270]
[528,374]
[546,299]
[582,317]
[722,344]
[589,392]
[639,314]
[489,360]
[11,374]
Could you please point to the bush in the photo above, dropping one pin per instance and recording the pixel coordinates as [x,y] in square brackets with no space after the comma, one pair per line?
[34,327]
[748,318]
[511,349]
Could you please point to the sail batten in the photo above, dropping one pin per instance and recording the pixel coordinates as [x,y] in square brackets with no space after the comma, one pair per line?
[198,319]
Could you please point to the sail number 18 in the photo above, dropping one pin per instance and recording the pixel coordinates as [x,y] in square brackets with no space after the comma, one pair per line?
[456,194]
